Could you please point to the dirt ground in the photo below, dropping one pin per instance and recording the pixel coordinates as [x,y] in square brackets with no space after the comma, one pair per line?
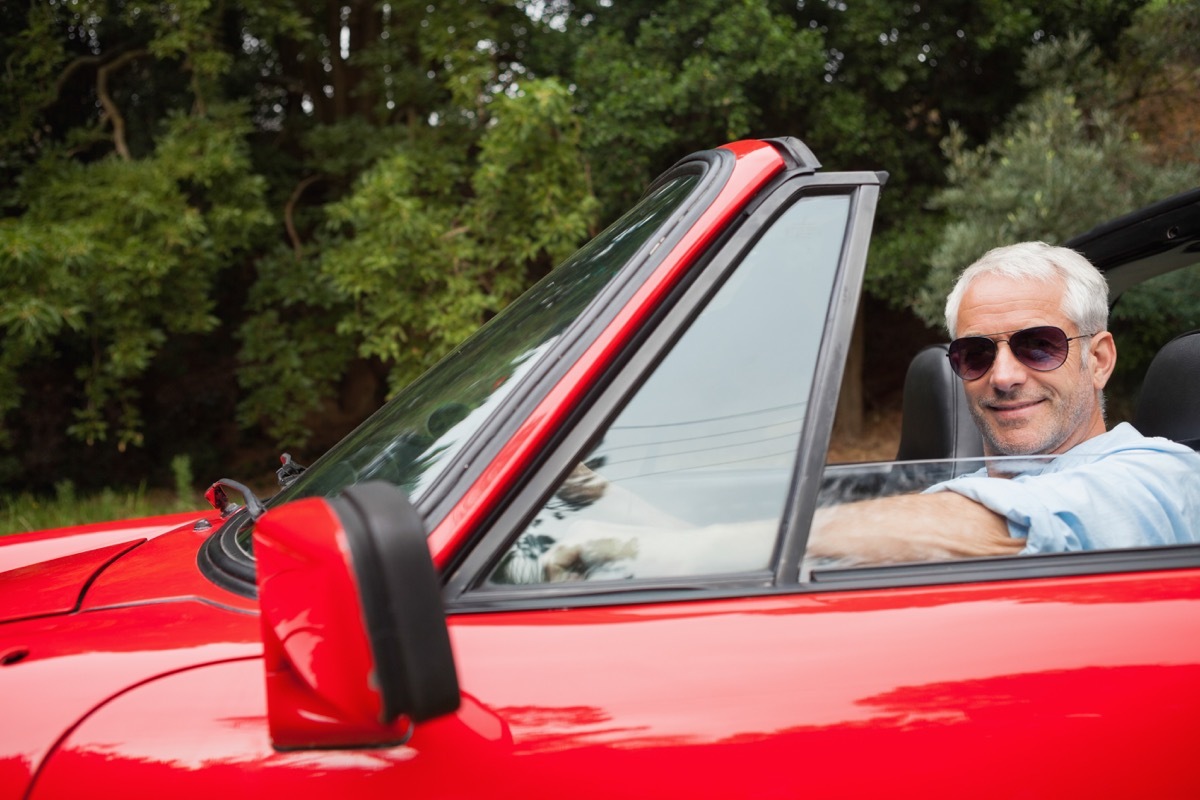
[879,440]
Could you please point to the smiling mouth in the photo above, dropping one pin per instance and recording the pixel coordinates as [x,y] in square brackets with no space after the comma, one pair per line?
[1013,406]
[1010,411]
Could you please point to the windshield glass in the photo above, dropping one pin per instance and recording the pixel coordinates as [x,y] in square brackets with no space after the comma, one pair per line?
[410,440]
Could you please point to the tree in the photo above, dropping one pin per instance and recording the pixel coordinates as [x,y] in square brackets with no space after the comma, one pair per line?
[333,182]
[123,208]
[213,209]
[406,266]
[1068,160]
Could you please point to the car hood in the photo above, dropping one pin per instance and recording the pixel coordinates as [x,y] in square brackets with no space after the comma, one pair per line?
[46,572]
[55,586]
[108,611]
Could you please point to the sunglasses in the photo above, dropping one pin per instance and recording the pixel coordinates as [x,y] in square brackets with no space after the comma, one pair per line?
[1042,348]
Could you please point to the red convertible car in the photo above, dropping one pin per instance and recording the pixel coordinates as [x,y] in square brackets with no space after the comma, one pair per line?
[389,624]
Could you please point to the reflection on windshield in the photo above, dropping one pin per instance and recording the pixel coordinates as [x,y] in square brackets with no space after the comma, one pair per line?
[691,477]
[410,441]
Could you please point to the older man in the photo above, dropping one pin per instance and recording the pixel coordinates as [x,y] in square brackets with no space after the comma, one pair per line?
[1034,355]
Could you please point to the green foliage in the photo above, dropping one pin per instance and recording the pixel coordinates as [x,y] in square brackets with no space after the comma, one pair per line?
[112,257]
[1056,169]
[896,271]
[291,354]
[35,54]
[682,76]
[1144,319]
[533,203]
[419,269]
[404,268]
[276,191]
[181,472]
[1161,49]
[396,256]
[28,511]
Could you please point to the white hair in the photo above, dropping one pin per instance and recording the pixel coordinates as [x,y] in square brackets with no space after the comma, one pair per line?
[1085,299]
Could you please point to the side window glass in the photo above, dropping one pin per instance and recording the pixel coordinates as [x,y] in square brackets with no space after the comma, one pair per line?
[1117,496]
[1121,493]
[691,477]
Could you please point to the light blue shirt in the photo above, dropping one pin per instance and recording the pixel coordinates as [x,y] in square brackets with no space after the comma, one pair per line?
[1118,489]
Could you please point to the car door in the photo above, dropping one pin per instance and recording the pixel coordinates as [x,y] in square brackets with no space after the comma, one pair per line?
[674,646]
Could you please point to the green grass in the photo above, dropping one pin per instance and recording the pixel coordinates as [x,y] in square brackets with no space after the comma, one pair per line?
[29,512]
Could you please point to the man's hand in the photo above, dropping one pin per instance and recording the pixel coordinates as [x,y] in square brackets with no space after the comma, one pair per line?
[573,562]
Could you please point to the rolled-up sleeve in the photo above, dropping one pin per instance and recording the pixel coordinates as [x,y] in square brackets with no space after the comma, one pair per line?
[1132,498]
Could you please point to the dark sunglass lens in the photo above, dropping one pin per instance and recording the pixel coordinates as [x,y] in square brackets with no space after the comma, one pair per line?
[972,357]
[1042,348]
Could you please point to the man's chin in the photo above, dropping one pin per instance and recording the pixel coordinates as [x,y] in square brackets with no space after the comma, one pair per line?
[1012,451]
[1013,443]
[1022,434]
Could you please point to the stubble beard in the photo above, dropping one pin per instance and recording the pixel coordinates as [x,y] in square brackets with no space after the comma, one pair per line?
[1063,417]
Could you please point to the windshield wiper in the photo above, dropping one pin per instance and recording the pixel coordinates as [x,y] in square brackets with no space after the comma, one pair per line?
[290,470]
[217,498]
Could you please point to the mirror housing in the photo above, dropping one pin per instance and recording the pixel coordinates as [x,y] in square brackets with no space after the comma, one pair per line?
[355,642]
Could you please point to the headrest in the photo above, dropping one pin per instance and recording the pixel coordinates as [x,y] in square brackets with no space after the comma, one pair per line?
[1169,403]
[937,423]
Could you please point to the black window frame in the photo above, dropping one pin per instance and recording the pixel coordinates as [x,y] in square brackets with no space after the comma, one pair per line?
[625,377]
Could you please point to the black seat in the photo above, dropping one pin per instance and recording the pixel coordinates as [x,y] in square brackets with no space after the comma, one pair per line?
[936,423]
[1169,403]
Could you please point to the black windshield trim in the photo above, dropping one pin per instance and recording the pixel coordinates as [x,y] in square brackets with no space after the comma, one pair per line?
[831,361]
[225,562]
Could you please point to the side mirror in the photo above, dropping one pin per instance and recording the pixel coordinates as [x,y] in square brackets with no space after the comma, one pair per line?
[355,641]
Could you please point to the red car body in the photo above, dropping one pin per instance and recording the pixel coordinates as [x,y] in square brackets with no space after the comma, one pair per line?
[128,670]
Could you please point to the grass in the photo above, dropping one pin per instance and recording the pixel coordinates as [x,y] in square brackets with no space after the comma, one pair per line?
[30,512]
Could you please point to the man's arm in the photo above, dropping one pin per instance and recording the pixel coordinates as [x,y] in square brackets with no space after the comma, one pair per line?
[920,527]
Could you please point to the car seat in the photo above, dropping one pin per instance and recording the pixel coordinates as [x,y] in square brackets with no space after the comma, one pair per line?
[1169,403]
[936,422]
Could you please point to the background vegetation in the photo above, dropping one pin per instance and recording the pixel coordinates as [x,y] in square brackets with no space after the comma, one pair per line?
[229,227]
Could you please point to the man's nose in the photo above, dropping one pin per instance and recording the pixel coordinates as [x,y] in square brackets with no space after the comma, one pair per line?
[1007,371]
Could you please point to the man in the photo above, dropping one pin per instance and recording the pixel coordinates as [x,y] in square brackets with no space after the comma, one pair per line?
[1034,355]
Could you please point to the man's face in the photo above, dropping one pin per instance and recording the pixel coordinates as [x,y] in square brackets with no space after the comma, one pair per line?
[1021,411]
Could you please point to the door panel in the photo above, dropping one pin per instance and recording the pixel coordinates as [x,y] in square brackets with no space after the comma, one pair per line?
[1048,688]
[1044,688]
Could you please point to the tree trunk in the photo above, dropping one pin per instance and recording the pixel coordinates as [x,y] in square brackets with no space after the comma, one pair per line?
[848,424]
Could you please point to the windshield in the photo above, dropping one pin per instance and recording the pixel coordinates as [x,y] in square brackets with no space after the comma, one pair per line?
[411,440]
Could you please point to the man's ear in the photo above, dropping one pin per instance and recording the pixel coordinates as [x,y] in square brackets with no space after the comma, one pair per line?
[1102,357]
